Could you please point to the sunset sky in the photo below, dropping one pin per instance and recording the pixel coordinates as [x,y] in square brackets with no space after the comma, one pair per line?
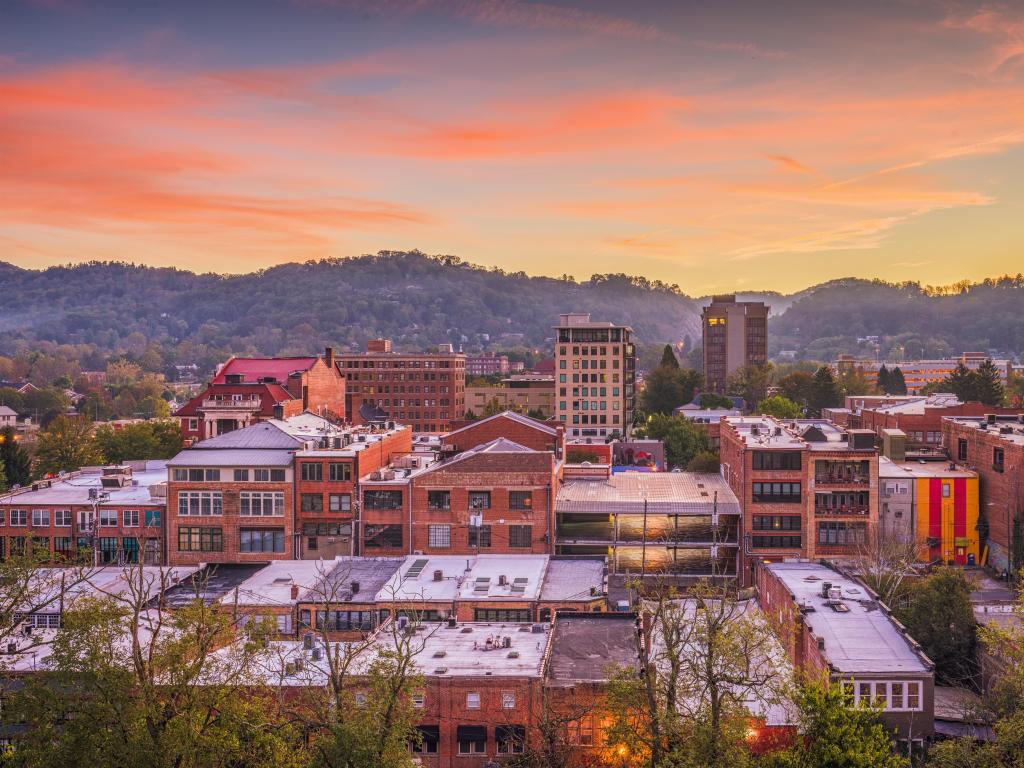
[717,145]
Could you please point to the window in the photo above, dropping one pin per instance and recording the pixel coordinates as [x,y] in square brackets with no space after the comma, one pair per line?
[344,620]
[417,700]
[196,539]
[961,449]
[312,472]
[439,500]
[945,490]
[62,546]
[520,535]
[520,500]
[508,699]
[311,502]
[108,518]
[19,517]
[903,695]
[472,700]
[340,502]
[581,731]
[384,500]
[262,503]
[261,540]
[776,460]
[479,535]
[152,518]
[382,536]
[41,518]
[61,518]
[429,738]
[193,425]
[479,499]
[472,739]
[196,475]
[130,518]
[340,472]
[241,475]
[998,459]
[511,739]
[776,522]
[130,546]
[505,615]
[268,475]
[439,536]
[108,546]
[776,493]
[776,542]
[841,534]
[199,503]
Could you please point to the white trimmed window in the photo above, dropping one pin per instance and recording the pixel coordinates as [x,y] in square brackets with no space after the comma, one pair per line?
[40,518]
[261,503]
[62,518]
[199,503]
[130,518]
[108,518]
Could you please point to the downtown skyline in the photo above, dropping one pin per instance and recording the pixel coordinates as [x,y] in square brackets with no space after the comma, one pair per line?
[734,148]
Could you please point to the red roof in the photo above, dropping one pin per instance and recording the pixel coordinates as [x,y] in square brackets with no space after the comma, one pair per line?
[545,366]
[254,368]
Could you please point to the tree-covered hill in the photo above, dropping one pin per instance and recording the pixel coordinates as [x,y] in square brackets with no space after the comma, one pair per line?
[417,300]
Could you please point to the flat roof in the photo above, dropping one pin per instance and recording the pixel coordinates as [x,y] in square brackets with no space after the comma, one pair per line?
[590,646]
[690,493]
[573,578]
[210,583]
[887,468]
[863,639]
[272,584]
[414,580]
[523,576]
[1014,436]
[370,573]
[796,434]
[74,488]
[232,457]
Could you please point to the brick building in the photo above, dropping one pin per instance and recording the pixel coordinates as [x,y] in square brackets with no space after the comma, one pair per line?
[486,365]
[832,626]
[921,417]
[993,446]
[247,390]
[522,394]
[918,374]
[276,490]
[807,488]
[595,363]
[424,390]
[108,515]
[532,433]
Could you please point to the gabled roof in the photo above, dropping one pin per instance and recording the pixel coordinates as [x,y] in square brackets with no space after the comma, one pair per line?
[6,410]
[270,395]
[526,421]
[492,457]
[253,368]
[261,436]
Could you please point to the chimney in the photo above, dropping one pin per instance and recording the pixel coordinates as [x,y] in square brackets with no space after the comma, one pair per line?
[329,357]
[279,412]
[295,591]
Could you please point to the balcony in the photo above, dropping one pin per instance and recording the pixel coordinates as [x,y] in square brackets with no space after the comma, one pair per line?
[842,473]
[631,530]
[856,510]
[210,404]
[851,503]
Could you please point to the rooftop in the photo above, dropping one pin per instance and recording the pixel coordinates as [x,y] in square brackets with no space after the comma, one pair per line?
[229,457]
[792,434]
[688,493]
[344,573]
[253,368]
[209,583]
[504,577]
[887,468]
[6,410]
[588,646]
[573,578]
[73,489]
[1008,428]
[527,421]
[858,637]
[272,584]
[917,406]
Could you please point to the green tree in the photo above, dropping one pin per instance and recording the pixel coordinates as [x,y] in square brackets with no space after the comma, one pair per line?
[130,685]
[16,461]
[704,461]
[46,404]
[824,391]
[145,440]
[668,358]
[938,614]
[66,445]
[897,384]
[713,401]
[780,407]
[683,439]
[833,734]
[797,386]
[884,380]
[666,388]
[989,385]
[962,382]
[749,382]
[3,478]
[854,382]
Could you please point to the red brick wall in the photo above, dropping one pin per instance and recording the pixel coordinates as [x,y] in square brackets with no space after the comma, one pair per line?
[1001,493]
[930,421]
[486,430]
[324,391]
[230,522]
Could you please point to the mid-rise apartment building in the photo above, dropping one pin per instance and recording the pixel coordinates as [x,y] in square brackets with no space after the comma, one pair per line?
[920,373]
[424,390]
[808,488]
[993,447]
[526,393]
[487,365]
[595,369]
[735,334]
[99,515]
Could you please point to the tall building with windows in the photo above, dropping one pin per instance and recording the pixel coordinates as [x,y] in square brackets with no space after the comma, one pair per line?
[595,376]
[735,334]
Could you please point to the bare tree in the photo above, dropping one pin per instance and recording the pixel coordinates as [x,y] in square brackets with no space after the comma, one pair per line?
[704,667]
[885,561]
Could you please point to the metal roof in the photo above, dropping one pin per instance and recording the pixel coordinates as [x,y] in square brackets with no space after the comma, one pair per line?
[231,458]
[264,435]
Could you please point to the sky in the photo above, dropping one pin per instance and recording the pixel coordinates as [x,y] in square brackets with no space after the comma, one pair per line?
[719,146]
